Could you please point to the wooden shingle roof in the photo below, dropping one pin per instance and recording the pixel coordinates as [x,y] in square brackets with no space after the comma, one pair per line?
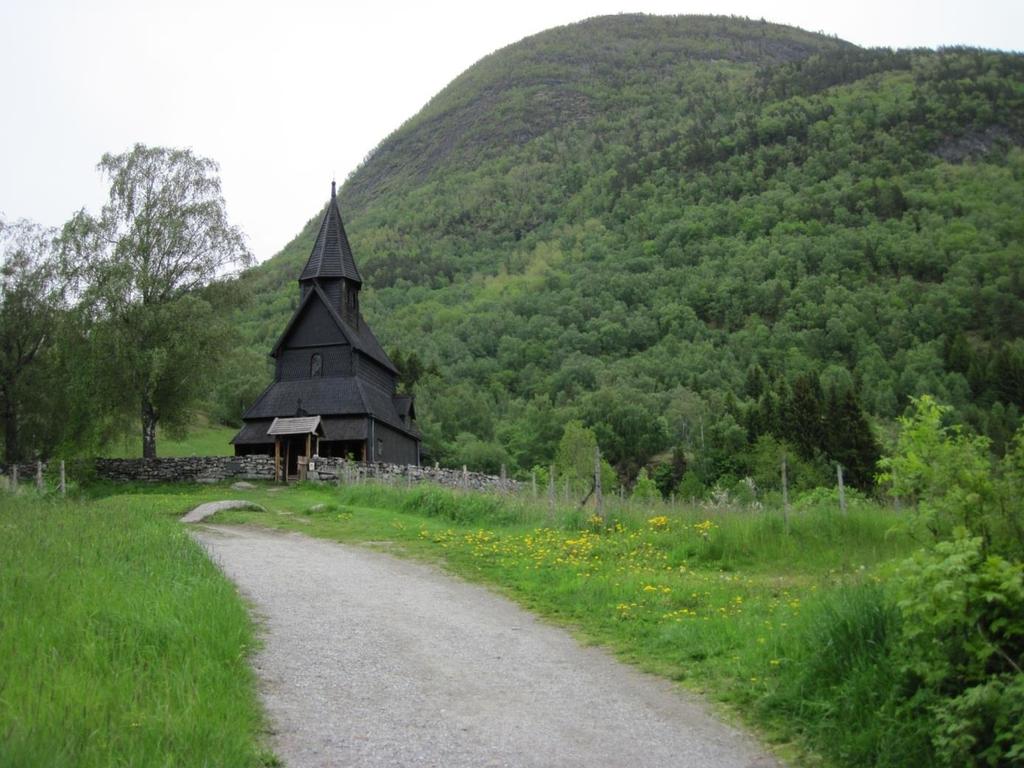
[295,425]
[344,396]
[331,256]
[360,338]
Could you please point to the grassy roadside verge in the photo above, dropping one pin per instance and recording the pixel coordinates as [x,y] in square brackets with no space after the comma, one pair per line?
[721,600]
[120,643]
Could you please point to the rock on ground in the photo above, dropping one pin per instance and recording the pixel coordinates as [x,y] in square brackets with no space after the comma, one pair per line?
[203,511]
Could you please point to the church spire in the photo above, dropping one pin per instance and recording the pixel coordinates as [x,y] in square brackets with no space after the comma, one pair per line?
[331,256]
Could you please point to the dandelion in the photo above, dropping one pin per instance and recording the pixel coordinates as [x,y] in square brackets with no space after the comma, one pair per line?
[704,528]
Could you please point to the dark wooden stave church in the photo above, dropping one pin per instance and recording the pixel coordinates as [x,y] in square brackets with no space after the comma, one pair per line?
[334,388]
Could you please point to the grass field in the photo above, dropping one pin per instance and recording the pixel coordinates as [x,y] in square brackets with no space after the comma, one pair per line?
[120,643]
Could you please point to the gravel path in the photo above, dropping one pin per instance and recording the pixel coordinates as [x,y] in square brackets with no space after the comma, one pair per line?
[372,660]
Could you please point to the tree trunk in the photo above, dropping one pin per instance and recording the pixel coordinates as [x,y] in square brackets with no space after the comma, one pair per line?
[11,455]
[149,419]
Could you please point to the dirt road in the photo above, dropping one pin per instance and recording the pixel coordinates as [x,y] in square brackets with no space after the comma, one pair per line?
[372,660]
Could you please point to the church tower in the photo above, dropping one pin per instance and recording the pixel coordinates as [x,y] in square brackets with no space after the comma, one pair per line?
[331,266]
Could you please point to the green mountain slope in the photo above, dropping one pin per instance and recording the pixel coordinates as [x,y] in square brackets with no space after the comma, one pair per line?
[709,234]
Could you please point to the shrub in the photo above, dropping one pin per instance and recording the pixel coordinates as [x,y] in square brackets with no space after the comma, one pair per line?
[944,473]
[962,650]
[691,487]
[645,489]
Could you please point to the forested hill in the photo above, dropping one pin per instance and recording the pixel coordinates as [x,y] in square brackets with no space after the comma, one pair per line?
[706,234]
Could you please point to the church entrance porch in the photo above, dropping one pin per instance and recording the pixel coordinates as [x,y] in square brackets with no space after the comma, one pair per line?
[295,442]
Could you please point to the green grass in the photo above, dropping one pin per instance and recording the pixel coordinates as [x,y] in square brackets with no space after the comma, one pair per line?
[201,440]
[120,643]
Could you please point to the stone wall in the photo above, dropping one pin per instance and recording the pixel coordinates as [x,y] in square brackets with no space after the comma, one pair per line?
[187,469]
[213,469]
[334,470]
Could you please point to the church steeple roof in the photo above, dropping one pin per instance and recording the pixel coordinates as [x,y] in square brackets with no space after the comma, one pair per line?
[331,255]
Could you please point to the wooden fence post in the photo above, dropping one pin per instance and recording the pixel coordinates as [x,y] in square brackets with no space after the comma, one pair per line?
[39,475]
[14,478]
[63,485]
[785,496]
[598,496]
[533,482]
[842,490]
[465,477]
[504,479]
[551,488]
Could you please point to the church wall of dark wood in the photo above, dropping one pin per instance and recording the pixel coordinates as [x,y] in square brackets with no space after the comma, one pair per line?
[294,364]
[332,289]
[392,446]
[349,302]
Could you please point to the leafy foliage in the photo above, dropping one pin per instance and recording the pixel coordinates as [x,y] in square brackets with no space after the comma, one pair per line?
[31,300]
[963,648]
[644,489]
[949,478]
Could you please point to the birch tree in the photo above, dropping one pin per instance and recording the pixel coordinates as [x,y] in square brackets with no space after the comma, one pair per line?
[146,267]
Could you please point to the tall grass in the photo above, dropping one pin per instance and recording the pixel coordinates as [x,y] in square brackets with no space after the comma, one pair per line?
[816,535]
[840,687]
[120,643]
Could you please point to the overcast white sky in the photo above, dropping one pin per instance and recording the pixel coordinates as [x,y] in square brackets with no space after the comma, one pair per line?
[285,95]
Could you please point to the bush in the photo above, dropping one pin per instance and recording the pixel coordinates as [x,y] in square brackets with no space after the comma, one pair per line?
[691,487]
[645,489]
[962,650]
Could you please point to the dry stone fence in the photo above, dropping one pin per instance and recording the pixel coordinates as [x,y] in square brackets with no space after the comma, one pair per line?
[215,469]
[329,470]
